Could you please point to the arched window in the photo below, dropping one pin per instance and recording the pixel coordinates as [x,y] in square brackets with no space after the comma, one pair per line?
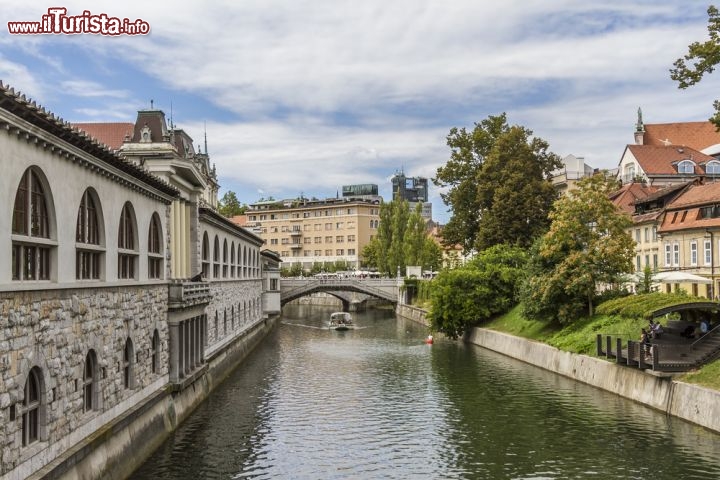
[31,408]
[155,258]
[206,256]
[128,364]
[224,322]
[90,386]
[244,262]
[232,317]
[225,259]
[30,225]
[127,246]
[216,258]
[686,166]
[239,260]
[155,353]
[217,332]
[232,260]
[88,254]
[712,167]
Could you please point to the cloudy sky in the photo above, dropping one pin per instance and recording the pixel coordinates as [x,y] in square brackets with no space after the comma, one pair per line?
[304,96]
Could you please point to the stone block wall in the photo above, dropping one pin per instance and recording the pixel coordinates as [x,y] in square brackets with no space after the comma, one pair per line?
[236,306]
[53,331]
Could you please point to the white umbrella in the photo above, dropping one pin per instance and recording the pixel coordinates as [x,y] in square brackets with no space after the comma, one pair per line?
[676,276]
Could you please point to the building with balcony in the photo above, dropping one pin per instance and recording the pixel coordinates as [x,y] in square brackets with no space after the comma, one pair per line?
[573,170]
[308,231]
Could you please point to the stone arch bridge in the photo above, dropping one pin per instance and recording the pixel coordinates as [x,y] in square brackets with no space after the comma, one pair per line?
[384,289]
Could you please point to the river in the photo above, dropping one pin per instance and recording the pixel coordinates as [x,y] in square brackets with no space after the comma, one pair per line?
[377,402]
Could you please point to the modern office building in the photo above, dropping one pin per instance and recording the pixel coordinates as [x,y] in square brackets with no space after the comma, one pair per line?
[414,190]
[316,231]
[367,191]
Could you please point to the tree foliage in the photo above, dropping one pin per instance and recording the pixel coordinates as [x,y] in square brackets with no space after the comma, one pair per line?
[499,189]
[484,287]
[468,150]
[230,206]
[704,57]
[587,245]
[402,240]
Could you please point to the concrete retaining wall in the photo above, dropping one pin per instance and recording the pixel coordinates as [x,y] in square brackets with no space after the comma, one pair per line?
[690,402]
[119,448]
[412,313]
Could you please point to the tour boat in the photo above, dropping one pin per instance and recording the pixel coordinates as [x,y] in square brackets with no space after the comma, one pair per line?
[341,321]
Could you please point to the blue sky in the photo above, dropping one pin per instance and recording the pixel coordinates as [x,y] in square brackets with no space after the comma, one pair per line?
[304,96]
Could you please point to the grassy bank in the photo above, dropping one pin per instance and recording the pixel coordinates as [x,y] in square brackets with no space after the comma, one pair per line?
[580,338]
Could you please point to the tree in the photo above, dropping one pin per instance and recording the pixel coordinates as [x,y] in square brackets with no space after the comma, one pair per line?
[396,254]
[486,286]
[468,150]
[515,191]
[384,238]
[369,255]
[587,245]
[705,56]
[230,205]
[431,257]
[499,185]
[415,235]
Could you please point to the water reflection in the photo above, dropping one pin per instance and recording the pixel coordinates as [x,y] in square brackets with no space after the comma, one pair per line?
[379,403]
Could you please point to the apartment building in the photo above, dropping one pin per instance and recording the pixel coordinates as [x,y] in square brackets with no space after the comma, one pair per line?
[308,231]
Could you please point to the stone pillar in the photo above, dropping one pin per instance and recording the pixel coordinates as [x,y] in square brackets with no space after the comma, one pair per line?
[174,351]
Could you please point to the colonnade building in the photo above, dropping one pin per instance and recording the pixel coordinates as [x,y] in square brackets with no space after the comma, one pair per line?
[123,292]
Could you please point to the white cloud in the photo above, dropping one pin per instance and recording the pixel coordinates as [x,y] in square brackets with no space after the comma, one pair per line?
[328,93]
[87,88]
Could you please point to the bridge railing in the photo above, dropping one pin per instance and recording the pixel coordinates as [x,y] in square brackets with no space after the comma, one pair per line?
[361,285]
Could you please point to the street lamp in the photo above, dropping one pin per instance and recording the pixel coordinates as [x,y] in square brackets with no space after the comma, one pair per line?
[712,262]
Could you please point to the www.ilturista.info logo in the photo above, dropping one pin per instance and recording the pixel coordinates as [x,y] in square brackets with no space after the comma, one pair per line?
[57,21]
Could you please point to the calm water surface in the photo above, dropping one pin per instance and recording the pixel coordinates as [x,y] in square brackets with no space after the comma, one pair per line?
[377,403]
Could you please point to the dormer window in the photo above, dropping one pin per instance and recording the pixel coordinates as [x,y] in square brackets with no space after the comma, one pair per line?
[712,167]
[686,166]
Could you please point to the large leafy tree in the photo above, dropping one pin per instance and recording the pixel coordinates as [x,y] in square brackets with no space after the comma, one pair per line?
[515,190]
[473,293]
[587,245]
[230,205]
[468,150]
[499,189]
[701,58]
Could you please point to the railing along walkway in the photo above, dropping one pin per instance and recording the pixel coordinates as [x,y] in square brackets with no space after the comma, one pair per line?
[669,353]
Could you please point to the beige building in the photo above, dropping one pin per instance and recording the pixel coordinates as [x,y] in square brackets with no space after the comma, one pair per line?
[309,231]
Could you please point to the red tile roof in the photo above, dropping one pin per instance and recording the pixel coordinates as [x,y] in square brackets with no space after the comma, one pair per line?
[625,198]
[684,212]
[697,135]
[111,134]
[658,160]
[696,195]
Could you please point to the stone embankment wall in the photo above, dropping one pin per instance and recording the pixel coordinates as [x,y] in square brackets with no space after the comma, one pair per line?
[412,313]
[689,402]
[116,450]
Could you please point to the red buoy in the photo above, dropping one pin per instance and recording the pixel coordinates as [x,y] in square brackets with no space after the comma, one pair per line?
[429,340]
